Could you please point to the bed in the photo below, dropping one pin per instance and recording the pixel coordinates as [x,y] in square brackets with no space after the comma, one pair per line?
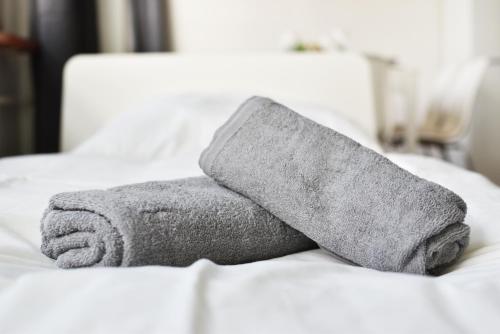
[130,119]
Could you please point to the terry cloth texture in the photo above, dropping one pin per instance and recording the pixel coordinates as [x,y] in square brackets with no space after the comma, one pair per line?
[353,202]
[163,223]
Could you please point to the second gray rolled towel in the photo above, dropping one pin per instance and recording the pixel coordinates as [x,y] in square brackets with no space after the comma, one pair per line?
[352,201]
[163,223]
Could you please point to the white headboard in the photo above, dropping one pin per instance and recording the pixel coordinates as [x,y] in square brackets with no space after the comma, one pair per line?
[98,87]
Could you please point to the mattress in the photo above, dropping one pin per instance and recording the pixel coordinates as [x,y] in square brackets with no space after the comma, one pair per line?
[308,292]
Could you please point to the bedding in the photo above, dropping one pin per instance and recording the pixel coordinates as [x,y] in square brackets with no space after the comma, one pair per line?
[352,201]
[166,126]
[307,292]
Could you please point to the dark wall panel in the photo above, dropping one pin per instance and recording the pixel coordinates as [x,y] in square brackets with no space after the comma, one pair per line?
[62,28]
[149,25]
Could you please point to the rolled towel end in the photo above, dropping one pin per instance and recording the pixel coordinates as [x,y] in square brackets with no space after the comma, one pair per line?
[445,248]
[80,239]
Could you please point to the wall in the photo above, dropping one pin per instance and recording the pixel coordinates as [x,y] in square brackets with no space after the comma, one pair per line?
[405,29]
[486,27]
[457,30]
[115,33]
[408,30]
[421,34]
[485,134]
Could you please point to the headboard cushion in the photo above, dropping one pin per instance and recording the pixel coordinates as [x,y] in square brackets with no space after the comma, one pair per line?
[98,87]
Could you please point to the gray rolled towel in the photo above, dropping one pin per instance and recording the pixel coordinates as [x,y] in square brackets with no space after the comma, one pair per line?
[353,202]
[163,223]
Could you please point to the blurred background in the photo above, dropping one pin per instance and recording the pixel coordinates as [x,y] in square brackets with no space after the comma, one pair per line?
[432,59]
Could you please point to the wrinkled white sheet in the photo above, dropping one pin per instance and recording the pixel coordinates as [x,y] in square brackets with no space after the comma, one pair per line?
[308,292]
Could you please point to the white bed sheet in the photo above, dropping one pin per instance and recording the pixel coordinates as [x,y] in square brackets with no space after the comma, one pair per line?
[309,292]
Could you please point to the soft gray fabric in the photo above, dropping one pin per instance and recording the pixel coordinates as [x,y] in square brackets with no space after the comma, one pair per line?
[352,201]
[163,223]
